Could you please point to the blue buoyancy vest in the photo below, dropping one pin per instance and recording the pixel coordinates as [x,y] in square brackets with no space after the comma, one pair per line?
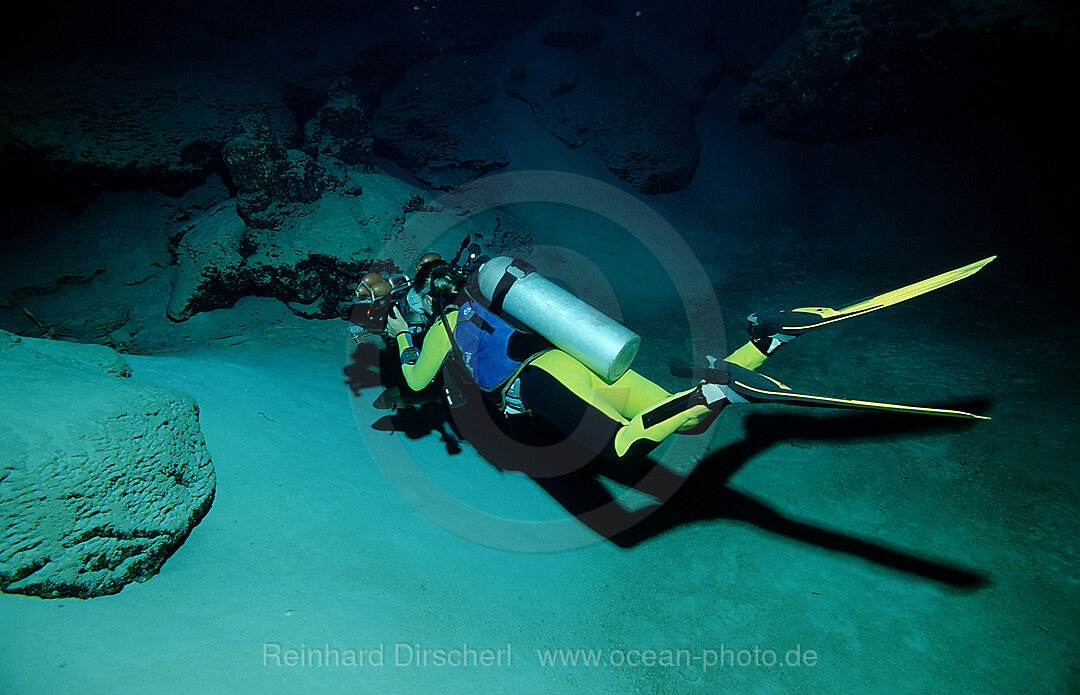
[483,339]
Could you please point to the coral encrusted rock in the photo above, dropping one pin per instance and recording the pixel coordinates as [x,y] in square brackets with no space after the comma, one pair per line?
[101,477]
[311,259]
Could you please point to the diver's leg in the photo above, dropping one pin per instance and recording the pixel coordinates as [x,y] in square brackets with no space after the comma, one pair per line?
[683,412]
[582,383]
[633,394]
[734,385]
[627,397]
[749,356]
[562,405]
[630,394]
[635,408]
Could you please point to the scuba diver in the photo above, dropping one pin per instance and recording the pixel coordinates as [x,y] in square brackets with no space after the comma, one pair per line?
[532,347]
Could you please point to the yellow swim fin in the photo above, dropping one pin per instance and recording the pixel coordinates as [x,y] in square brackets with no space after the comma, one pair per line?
[745,386]
[784,325]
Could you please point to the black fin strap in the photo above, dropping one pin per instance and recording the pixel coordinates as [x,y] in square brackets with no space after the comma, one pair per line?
[507,281]
[685,370]
[670,409]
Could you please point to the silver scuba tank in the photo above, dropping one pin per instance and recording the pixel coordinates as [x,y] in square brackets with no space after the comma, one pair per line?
[578,329]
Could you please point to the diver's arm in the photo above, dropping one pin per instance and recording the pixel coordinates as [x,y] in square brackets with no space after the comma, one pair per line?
[419,373]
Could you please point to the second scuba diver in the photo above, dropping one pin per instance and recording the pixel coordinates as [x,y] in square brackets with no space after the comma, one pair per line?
[532,347]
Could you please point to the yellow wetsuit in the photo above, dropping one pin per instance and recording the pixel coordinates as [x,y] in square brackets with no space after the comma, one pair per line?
[635,409]
[625,403]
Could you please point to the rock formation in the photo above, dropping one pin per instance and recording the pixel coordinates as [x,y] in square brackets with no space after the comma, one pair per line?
[435,124]
[101,477]
[858,67]
[641,130]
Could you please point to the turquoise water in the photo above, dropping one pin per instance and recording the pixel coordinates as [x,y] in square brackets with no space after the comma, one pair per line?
[784,550]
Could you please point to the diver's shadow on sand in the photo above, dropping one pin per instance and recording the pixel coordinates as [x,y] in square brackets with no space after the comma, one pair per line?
[419,421]
[702,495]
[414,414]
[367,365]
[705,494]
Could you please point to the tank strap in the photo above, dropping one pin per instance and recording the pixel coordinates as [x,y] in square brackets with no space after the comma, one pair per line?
[517,270]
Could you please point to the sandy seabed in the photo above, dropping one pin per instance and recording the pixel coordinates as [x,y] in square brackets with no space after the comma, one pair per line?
[805,552]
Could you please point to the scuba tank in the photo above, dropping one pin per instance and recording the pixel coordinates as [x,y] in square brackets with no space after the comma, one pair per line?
[578,329]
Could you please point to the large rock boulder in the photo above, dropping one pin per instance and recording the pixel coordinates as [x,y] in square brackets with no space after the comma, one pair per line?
[643,131]
[341,129]
[101,477]
[210,263]
[311,260]
[857,67]
[267,176]
[436,123]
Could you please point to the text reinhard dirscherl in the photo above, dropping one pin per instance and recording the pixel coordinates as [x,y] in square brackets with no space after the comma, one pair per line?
[400,654]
